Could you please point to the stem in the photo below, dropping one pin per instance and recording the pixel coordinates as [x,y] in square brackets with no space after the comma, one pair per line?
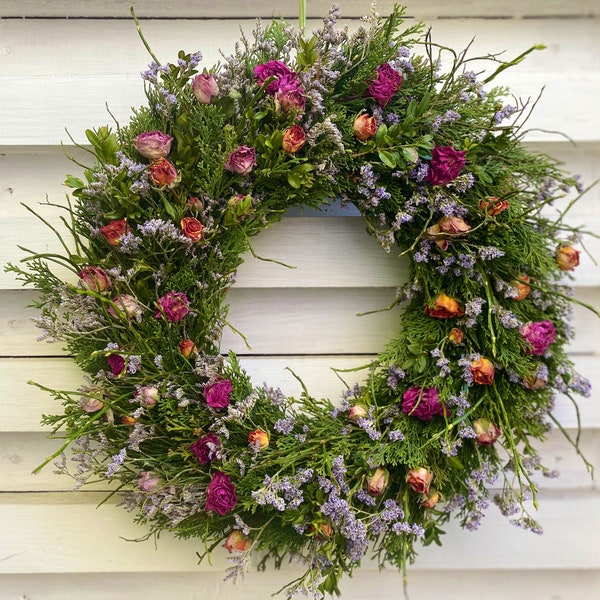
[139,30]
[302,16]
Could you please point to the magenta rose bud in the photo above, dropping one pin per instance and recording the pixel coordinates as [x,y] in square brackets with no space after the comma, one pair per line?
[387,82]
[290,98]
[218,394]
[445,165]
[148,481]
[94,279]
[205,87]
[116,363]
[241,161]
[422,402]
[539,335]
[173,306]
[220,494]
[206,448]
[273,68]
[153,144]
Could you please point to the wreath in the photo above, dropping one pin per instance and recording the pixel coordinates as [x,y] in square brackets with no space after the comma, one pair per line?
[445,419]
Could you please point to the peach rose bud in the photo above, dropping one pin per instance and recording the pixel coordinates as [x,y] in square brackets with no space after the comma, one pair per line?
[431,500]
[444,307]
[419,480]
[187,348]
[128,420]
[482,371]
[293,139]
[522,288]
[237,542]
[192,229]
[364,127]
[258,439]
[493,206]
[456,336]
[567,258]
[487,432]
[377,482]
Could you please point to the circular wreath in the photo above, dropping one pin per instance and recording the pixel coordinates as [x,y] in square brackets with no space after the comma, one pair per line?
[434,163]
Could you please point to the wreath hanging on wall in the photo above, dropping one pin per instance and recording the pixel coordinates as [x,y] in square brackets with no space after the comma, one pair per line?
[433,159]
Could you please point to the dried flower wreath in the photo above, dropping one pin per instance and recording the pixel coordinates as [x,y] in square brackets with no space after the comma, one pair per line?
[434,162]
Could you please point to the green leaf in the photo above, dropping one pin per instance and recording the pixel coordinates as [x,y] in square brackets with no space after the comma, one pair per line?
[410,154]
[387,158]
[294,180]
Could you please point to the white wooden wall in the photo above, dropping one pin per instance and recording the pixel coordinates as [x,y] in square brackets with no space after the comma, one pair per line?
[60,61]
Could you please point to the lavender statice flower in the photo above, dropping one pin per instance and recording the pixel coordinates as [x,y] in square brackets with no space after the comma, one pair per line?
[507,318]
[116,462]
[285,426]
[459,403]
[450,448]
[129,243]
[338,471]
[396,435]
[504,113]
[489,252]
[363,496]
[395,375]
[134,363]
[419,171]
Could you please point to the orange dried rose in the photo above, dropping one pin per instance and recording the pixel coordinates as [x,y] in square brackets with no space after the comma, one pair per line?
[567,258]
[444,307]
[258,439]
[482,371]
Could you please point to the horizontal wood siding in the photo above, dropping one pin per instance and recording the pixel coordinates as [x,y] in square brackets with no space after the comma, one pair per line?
[58,72]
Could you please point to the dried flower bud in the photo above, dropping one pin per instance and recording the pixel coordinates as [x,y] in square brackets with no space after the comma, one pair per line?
[148,481]
[356,412]
[187,348]
[456,335]
[128,420]
[482,371]
[567,258]
[147,395]
[487,432]
[493,206]
[94,279]
[444,307]
[521,287]
[364,127]
[237,542]
[205,87]
[258,439]
[377,482]
[419,480]
[431,500]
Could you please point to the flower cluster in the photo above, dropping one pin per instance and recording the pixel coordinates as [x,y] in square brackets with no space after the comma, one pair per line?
[164,217]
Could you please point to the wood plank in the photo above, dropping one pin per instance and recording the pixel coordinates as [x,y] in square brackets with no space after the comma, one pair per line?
[23,404]
[20,453]
[285,321]
[49,533]
[516,584]
[274,8]
[90,78]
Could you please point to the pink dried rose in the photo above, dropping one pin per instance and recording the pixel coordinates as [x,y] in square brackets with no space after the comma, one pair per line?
[114,231]
[125,307]
[94,279]
[356,412]
[364,127]
[419,480]
[148,481]
[293,139]
[163,173]
[147,395]
[173,306]
[241,161]
[290,97]
[273,68]
[205,87]
[385,85]
[91,404]
[445,165]
[153,144]
[432,499]
[539,335]
[422,402]
[377,481]
[218,394]
[220,494]
[487,432]
[206,448]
